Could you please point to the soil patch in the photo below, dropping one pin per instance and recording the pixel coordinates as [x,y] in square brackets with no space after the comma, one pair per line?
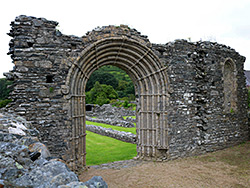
[226,168]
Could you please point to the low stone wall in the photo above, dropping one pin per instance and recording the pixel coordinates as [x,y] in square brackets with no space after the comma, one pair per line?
[115,122]
[119,135]
[107,110]
[130,119]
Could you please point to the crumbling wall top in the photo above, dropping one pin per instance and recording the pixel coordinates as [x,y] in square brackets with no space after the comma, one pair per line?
[114,31]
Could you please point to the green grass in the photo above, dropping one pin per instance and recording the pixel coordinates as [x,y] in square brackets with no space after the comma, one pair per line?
[103,149]
[124,117]
[132,130]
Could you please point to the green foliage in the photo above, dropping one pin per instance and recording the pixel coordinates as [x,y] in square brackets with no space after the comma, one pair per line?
[124,104]
[102,78]
[4,90]
[101,94]
[231,110]
[4,102]
[126,89]
[51,89]
[114,76]
[122,85]
[103,149]
[131,97]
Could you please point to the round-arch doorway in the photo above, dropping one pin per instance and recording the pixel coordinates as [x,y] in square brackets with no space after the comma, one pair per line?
[149,78]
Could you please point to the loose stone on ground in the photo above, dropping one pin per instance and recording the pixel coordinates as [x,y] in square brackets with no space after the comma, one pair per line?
[26,163]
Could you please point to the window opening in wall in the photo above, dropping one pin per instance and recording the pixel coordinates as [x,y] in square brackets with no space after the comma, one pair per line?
[230,87]
[49,79]
[108,91]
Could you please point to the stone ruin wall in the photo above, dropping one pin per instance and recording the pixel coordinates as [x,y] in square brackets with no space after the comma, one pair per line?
[198,120]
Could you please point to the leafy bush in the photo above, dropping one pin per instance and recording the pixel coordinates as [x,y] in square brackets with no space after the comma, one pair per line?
[101,94]
[115,77]
[102,78]
[4,102]
[125,104]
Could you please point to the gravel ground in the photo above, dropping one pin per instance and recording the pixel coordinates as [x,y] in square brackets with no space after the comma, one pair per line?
[209,170]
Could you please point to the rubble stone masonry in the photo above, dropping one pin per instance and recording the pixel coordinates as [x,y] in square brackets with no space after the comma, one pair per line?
[193,101]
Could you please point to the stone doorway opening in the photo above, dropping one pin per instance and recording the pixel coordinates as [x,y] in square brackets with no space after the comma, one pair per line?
[150,81]
[110,125]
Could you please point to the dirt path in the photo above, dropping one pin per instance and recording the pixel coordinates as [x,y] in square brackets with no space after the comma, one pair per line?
[211,170]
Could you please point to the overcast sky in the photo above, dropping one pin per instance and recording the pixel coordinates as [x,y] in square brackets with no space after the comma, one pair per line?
[223,21]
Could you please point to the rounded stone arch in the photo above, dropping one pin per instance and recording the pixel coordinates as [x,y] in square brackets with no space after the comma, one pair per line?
[149,77]
[229,85]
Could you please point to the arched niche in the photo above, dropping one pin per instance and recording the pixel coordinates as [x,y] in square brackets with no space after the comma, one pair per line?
[230,86]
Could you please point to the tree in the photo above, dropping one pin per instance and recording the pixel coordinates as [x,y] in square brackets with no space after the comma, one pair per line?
[102,78]
[114,76]
[101,94]
[125,89]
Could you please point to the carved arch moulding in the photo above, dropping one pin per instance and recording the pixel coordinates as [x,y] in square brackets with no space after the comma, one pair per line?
[150,81]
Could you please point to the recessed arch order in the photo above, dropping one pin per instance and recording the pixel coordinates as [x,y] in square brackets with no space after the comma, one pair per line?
[149,77]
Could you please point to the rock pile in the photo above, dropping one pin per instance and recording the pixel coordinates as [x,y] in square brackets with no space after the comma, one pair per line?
[107,111]
[26,163]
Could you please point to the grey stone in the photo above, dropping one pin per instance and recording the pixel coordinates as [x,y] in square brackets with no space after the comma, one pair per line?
[111,121]
[17,168]
[62,179]
[190,85]
[95,182]
[37,23]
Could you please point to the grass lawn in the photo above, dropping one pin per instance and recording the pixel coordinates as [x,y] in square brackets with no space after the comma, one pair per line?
[103,149]
[132,130]
[124,117]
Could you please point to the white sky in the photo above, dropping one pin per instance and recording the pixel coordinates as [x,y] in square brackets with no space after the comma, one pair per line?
[223,21]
